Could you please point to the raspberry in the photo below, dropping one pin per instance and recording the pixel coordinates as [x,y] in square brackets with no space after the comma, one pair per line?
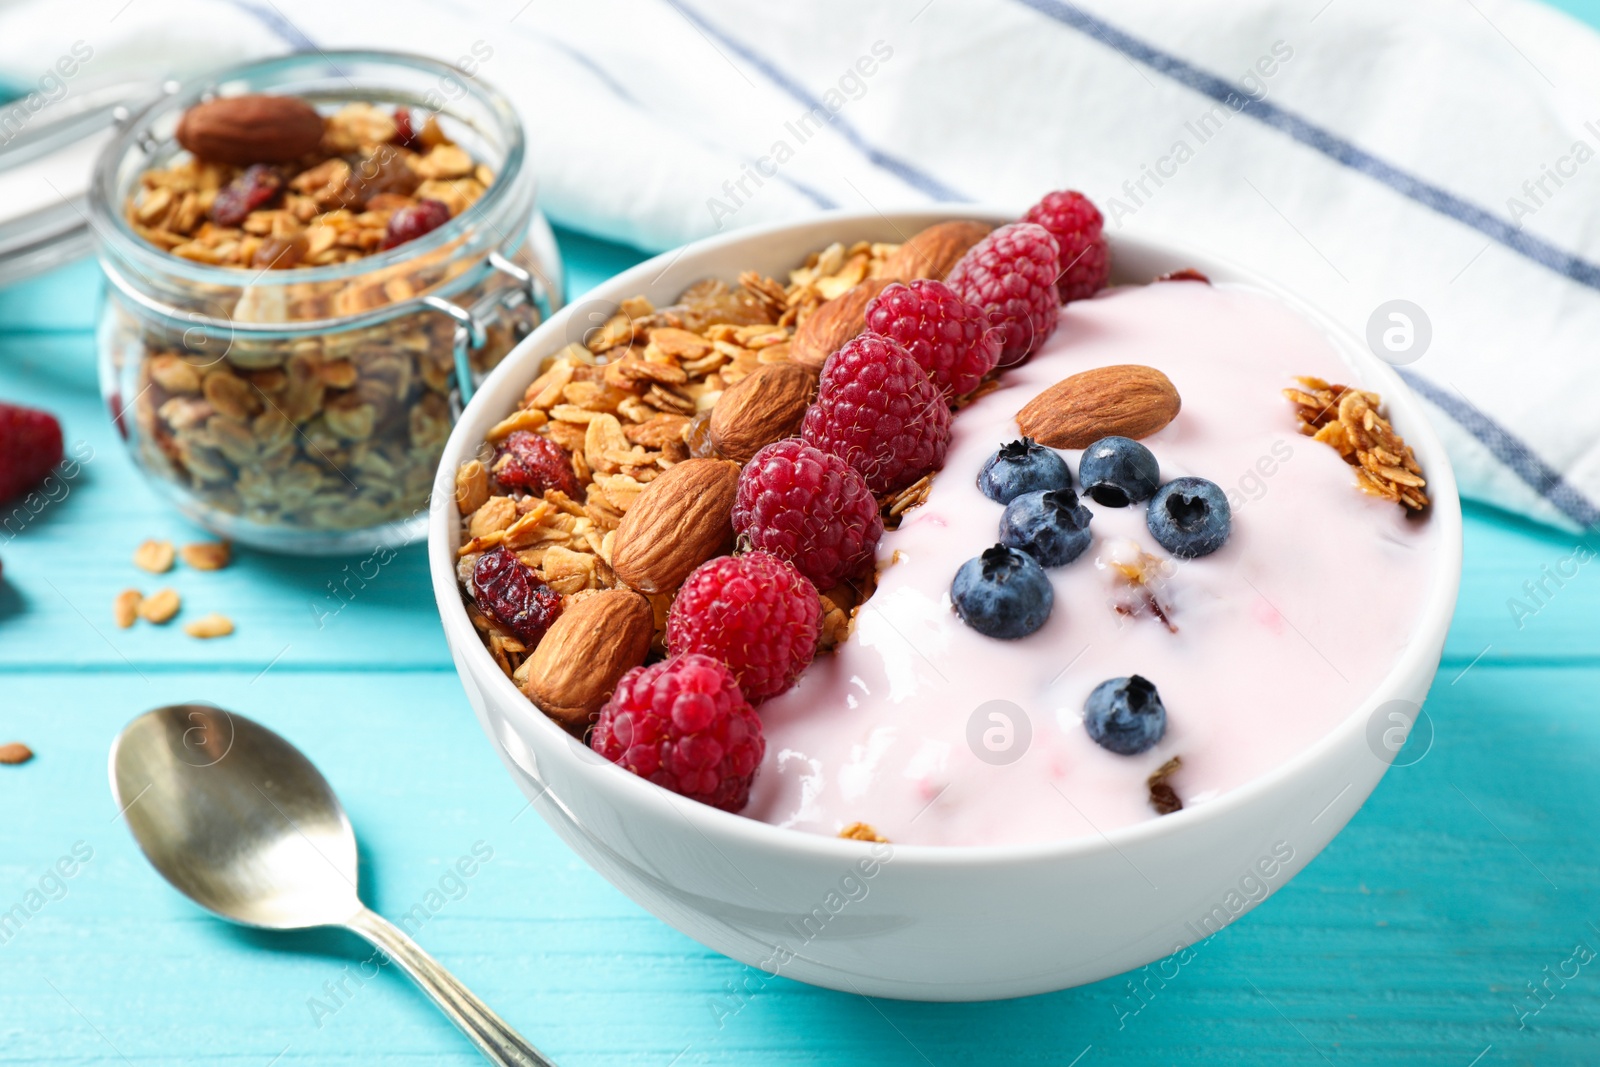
[409,223]
[683,724]
[810,508]
[754,612]
[877,410]
[254,188]
[950,340]
[1011,274]
[507,589]
[534,463]
[30,446]
[1075,224]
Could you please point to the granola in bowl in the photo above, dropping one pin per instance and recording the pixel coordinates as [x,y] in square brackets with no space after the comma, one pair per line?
[804,551]
[628,402]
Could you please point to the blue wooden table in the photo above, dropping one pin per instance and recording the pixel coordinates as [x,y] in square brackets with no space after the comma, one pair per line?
[1453,923]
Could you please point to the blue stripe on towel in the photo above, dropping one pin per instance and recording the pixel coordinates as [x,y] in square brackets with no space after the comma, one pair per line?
[275,20]
[1328,143]
[1505,446]
[617,89]
[906,172]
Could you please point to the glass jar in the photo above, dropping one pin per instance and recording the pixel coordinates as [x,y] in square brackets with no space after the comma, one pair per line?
[304,410]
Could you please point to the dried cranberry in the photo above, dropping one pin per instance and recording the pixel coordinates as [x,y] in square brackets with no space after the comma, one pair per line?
[405,131]
[533,464]
[507,589]
[409,223]
[249,191]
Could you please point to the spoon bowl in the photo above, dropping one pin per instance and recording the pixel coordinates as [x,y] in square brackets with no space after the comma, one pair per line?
[236,818]
[240,822]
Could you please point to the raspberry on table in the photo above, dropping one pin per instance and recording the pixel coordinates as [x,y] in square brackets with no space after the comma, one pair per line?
[877,410]
[507,590]
[1072,219]
[533,463]
[756,613]
[684,725]
[1011,274]
[412,221]
[951,340]
[809,507]
[30,447]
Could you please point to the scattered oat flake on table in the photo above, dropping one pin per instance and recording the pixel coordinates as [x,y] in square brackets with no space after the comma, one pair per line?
[860,831]
[125,609]
[1352,423]
[207,555]
[154,556]
[160,606]
[15,752]
[209,626]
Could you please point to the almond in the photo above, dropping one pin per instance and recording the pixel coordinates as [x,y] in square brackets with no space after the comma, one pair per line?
[932,252]
[596,640]
[155,556]
[251,129]
[1126,400]
[159,607]
[761,408]
[680,520]
[827,329]
[125,609]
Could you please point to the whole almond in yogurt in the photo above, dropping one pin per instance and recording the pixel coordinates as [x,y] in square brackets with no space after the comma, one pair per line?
[1126,400]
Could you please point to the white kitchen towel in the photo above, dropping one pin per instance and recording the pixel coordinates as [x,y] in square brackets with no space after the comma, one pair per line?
[1436,152]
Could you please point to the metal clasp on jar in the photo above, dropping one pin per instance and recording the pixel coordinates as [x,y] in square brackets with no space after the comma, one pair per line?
[474,324]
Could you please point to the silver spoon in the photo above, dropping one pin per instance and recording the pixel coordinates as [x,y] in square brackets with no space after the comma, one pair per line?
[240,822]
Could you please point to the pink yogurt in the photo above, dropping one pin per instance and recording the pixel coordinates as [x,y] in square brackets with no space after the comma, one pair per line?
[1279,634]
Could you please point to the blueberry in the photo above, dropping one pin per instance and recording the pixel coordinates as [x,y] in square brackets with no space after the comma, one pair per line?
[1125,715]
[1189,517]
[1023,466]
[1116,472]
[1002,593]
[1050,526]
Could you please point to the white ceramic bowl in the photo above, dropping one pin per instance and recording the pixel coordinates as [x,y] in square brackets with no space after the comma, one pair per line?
[929,922]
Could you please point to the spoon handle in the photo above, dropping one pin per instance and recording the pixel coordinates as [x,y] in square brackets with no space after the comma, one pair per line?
[498,1042]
